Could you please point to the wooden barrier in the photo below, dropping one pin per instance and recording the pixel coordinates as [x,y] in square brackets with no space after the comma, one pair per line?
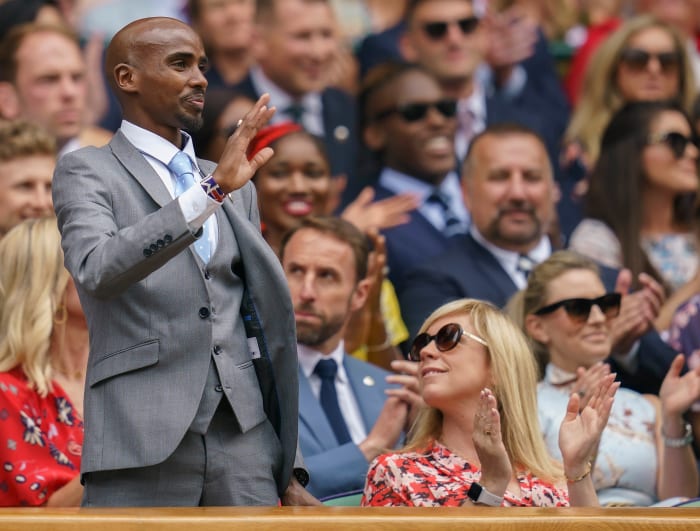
[350,519]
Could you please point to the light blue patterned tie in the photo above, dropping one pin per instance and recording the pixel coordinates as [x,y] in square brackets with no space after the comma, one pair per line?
[181,168]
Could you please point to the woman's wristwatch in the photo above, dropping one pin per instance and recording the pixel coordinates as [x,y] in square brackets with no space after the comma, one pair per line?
[478,494]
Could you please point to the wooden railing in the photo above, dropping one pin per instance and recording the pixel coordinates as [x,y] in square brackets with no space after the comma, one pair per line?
[350,519]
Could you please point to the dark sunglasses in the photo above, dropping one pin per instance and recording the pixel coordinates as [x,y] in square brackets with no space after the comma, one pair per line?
[437,30]
[579,309]
[412,112]
[446,339]
[677,142]
[637,59]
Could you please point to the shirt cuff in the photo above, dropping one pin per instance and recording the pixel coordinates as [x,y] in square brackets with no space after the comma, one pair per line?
[196,206]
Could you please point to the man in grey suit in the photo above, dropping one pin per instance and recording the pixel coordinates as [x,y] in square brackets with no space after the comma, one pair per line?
[349,411]
[191,391]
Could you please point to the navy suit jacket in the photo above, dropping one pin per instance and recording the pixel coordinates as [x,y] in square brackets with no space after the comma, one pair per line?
[334,468]
[467,269]
[339,124]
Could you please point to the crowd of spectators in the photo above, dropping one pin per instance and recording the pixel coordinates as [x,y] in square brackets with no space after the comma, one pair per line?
[469,140]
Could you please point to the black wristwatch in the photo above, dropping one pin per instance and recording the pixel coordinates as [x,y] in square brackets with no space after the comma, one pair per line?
[478,494]
[302,476]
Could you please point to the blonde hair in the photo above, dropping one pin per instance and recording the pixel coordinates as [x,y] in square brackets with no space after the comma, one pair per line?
[19,138]
[514,372]
[32,286]
[535,294]
[600,97]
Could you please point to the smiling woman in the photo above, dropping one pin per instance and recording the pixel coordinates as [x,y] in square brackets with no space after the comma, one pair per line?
[478,440]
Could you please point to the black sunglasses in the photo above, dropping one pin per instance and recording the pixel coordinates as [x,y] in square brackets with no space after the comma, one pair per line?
[446,339]
[579,309]
[437,30]
[412,112]
[677,142]
[637,59]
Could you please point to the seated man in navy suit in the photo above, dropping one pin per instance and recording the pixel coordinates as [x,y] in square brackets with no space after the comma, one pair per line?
[410,125]
[295,44]
[348,411]
[510,192]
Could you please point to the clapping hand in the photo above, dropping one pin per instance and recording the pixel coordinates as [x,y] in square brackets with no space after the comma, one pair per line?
[588,380]
[496,469]
[678,392]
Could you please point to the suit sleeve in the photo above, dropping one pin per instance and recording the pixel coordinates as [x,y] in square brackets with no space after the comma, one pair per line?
[103,256]
[341,469]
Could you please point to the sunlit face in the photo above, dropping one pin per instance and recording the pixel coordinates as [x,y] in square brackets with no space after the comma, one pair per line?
[664,171]
[652,81]
[455,55]
[298,45]
[294,184]
[448,379]
[571,344]
[321,274]
[170,80]
[50,84]
[423,148]
[25,189]
[226,25]
[510,191]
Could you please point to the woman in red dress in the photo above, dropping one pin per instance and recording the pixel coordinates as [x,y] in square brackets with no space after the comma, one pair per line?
[43,356]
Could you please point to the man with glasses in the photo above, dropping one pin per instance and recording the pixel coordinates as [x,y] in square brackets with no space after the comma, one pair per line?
[410,125]
[448,38]
[348,411]
[509,189]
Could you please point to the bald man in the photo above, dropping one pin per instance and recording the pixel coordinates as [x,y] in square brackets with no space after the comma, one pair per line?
[191,391]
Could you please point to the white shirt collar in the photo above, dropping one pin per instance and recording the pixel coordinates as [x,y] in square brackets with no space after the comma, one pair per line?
[509,259]
[308,358]
[155,145]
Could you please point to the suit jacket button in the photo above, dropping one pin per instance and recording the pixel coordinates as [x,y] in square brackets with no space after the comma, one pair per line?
[217,349]
[154,247]
[218,388]
[199,233]
[207,274]
[147,252]
[160,244]
[167,239]
[204,312]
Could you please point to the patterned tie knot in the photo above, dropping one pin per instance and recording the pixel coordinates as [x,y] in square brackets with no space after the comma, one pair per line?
[525,264]
[453,225]
[326,369]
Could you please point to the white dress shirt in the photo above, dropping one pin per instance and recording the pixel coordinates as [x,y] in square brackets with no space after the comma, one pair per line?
[308,358]
[196,205]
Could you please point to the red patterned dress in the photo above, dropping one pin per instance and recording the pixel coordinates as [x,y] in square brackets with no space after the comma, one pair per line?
[440,478]
[40,441]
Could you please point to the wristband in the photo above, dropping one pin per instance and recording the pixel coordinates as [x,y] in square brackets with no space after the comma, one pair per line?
[679,442]
[478,494]
[582,476]
[212,189]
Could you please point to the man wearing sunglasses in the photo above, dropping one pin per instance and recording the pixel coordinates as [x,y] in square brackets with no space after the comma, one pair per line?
[509,188]
[498,69]
[348,411]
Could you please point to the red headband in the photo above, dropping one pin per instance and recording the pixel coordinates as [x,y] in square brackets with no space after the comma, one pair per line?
[269,134]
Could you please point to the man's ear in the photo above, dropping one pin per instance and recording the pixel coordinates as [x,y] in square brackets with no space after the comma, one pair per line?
[126,78]
[10,107]
[408,51]
[535,329]
[374,137]
[359,297]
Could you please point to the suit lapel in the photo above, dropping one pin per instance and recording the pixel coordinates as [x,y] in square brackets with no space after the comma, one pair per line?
[493,272]
[364,388]
[311,414]
[136,164]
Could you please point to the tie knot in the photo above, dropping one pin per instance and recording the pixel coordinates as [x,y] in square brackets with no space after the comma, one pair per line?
[180,164]
[326,369]
[439,198]
[525,264]
[295,111]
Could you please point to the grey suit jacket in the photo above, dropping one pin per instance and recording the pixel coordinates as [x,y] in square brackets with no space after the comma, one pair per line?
[150,340]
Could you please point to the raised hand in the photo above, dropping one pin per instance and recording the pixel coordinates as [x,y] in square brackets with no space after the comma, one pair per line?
[496,468]
[383,214]
[678,392]
[588,380]
[234,169]
[579,433]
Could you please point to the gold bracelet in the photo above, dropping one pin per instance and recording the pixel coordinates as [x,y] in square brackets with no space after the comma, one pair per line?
[582,476]
[379,348]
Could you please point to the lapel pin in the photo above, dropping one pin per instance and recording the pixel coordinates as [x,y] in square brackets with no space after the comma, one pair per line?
[368,381]
[341,133]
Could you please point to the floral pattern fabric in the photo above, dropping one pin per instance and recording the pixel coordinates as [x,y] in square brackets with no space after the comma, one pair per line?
[41,440]
[438,477]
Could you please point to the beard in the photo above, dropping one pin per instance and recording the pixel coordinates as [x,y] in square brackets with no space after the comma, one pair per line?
[526,235]
[190,123]
[314,335]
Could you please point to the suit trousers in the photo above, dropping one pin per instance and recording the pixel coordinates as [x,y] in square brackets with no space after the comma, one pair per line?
[223,467]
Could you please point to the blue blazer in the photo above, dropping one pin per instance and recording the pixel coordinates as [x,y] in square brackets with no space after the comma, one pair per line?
[467,269]
[335,468]
[339,124]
